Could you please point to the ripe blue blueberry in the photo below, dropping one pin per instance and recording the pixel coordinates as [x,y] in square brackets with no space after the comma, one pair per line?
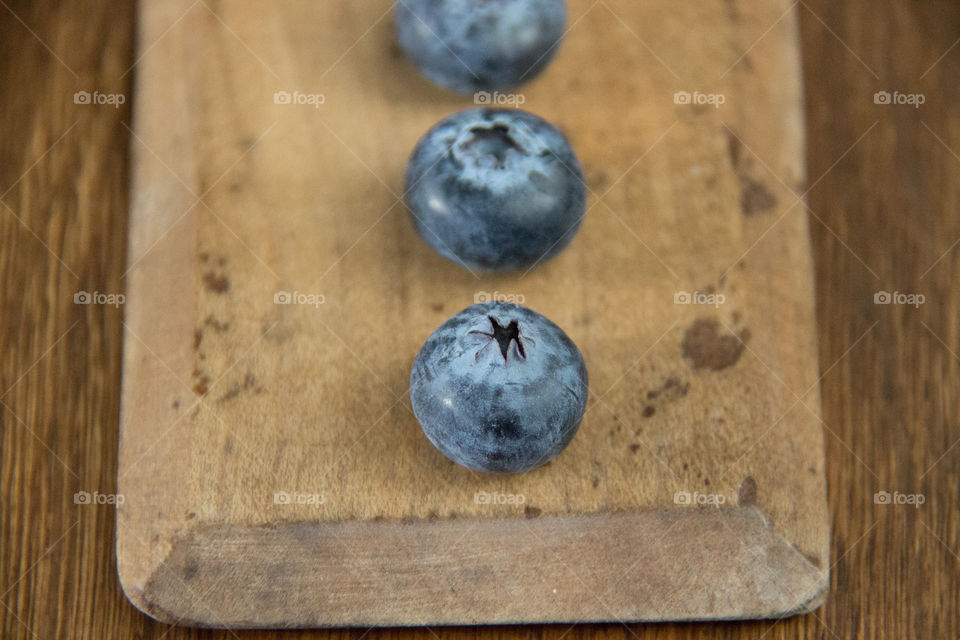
[499,387]
[473,45]
[495,190]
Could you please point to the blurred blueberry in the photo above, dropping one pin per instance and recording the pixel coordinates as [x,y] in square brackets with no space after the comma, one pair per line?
[498,387]
[495,189]
[474,45]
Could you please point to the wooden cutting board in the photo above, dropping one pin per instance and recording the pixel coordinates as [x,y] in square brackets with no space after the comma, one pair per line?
[273,473]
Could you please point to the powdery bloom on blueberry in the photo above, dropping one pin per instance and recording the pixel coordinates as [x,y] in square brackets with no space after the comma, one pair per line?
[478,45]
[495,190]
[499,387]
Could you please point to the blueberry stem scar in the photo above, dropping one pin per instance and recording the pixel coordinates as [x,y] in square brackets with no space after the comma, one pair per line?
[499,132]
[504,336]
[499,136]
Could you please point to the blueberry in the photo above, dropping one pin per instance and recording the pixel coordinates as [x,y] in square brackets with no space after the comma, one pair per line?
[499,387]
[471,45]
[495,189]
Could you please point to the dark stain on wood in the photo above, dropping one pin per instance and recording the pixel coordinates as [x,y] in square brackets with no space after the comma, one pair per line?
[707,348]
[755,197]
[249,382]
[200,387]
[219,327]
[190,570]
[815,560]
[747,494]
[597,178]
[215,283]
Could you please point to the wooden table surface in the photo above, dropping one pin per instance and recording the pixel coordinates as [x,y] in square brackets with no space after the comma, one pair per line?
[884,204]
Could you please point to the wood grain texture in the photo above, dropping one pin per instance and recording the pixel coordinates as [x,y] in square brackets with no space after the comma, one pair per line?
[231,399]
[888,205]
